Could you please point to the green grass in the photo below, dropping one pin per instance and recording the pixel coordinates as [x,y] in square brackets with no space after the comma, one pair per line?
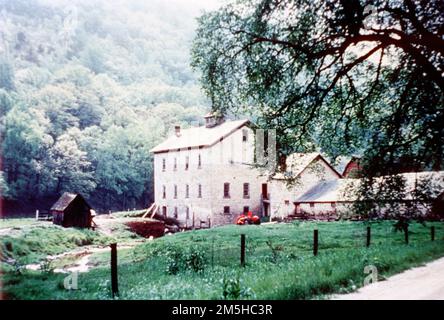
[18,222]
[284,268]
[30,242]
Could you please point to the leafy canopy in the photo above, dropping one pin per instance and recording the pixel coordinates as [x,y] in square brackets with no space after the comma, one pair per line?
[347,76]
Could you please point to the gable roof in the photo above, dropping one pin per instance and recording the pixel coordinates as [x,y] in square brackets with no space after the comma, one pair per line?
[65,200]
[298,162]
[199,136]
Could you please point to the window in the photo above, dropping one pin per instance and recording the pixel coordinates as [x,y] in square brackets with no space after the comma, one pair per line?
[246,190]
[187,191]
[287,202]
[226,210]
[312,205]
[175,164]
[199,191]
[175,213]
[188,212]
[199,161]
[163,192]
[244,135]
[164,211]
[187,162]
[246,209]
[163,164]
[175,191]
[226,190]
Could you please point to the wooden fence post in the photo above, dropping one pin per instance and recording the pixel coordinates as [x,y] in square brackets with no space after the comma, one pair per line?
[193,221]
[368,236]
[212,252]
[209,222]
[315,242]
[432,230]
[406,234]
[114,280]
[242,255]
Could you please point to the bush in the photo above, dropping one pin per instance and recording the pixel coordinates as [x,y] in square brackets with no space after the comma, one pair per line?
[195,259]
[177,259]
[232,289]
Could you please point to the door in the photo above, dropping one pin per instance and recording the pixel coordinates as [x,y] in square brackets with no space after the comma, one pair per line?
[266,206]
[297,208]
[264,191]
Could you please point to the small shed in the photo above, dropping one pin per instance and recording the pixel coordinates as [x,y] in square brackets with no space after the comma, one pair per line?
[71,210]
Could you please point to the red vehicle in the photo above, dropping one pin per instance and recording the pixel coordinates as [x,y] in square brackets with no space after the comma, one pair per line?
[248,219]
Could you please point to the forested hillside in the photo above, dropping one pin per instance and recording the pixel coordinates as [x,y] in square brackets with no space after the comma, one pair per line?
[87,88]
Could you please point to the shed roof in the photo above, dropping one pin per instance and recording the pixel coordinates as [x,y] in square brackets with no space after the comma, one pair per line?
[342,189]
[199,136]
[65,200]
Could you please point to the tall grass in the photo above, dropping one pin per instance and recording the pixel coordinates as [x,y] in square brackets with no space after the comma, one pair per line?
[280,263]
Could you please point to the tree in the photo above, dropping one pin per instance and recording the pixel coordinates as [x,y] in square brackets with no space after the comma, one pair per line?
[124,162]
[348,76]
[25,152]
[3,186]
[71,168]
[6,75]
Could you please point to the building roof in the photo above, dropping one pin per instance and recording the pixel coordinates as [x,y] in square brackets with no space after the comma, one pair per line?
[199,136]
[64,201]
[327,191]
[298,162]
[342,189]
[342,162]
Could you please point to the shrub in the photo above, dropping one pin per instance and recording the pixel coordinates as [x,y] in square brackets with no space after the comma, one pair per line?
[173,259]
[195,259]
[232,289]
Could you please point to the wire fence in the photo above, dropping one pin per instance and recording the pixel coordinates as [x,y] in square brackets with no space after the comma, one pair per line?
[248,248]
[228,252]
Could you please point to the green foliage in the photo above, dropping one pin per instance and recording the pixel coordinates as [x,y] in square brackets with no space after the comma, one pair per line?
[332,75]
[195,259]
[6,75]
[233,290]
[85,95]
[32,243]
[179,259]
[338,268]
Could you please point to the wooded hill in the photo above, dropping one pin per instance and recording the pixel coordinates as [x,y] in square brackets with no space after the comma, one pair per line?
[86,89]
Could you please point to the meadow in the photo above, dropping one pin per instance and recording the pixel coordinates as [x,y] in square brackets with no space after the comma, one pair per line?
[205,264]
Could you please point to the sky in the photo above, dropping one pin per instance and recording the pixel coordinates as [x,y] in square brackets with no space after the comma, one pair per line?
[198,4]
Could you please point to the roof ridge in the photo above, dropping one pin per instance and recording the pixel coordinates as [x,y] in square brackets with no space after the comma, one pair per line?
[199,136]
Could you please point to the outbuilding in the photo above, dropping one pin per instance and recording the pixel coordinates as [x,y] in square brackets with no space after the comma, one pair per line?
[71,210]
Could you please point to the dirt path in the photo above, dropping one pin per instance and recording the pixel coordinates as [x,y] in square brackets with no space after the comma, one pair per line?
[82,255]
[422,283]
[5,231]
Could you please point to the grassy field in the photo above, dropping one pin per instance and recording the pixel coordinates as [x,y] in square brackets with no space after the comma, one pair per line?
[27,241]
[279,263]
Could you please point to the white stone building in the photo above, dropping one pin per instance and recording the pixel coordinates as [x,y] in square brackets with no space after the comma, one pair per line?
[303,171]
[206,173]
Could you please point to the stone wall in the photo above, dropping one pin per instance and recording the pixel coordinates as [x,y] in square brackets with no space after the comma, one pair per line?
[283,195]
[228,161]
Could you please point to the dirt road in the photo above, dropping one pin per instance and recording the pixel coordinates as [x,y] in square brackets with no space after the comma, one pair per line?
[422,283]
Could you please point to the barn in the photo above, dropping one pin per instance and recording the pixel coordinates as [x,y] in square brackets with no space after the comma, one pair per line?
[71,210]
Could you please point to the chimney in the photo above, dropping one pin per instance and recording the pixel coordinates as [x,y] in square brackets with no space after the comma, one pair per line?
[177,130]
